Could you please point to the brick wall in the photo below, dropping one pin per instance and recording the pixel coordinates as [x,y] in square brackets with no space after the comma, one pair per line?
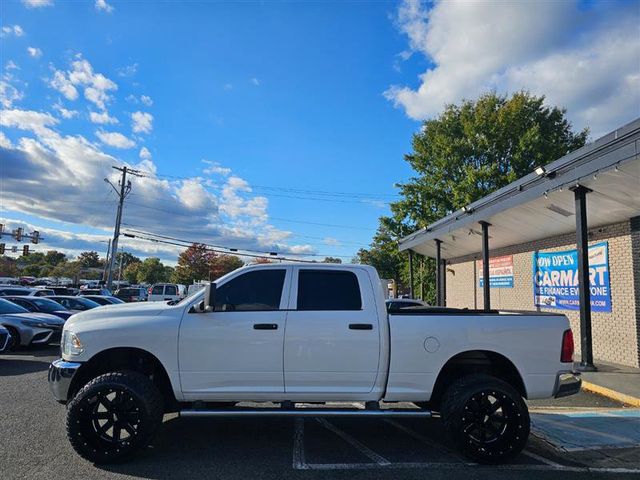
[616,335]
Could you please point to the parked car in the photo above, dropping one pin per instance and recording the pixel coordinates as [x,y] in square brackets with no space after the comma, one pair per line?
[42,305]
[5,339]
[103,299]
[63,290]
[94,291]
[74,303]
[132,294]
[29,328]
[395,304]
[166,291]
[24,291]
[228,343]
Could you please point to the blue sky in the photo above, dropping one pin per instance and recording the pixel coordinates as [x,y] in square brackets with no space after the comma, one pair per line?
[255,118]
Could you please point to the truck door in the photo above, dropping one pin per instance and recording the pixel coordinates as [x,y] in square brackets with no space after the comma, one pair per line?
[332,341]
[236,350]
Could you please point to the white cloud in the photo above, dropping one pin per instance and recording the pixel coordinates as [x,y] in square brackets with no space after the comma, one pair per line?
[12,30]
[582,58]
[145,154]
[102,118]
[62,84]
[11,65]
[34,52]
[103,6]
[9,94]
[255,81]
[331,241]
[115,139]
[146,100]
[128,71]
[37,3]
[235,204]
[29,120]
[96,85]
[4,141]
[194,196]
[214,168]
[142,122]
[65,113]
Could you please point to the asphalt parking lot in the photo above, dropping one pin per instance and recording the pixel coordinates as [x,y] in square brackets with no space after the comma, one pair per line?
[34,445]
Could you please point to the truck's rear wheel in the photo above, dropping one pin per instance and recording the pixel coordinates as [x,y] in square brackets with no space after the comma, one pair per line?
[113,416]
[486,418]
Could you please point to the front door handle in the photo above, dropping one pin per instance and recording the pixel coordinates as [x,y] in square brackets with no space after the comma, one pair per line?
[265,326]
[360,326]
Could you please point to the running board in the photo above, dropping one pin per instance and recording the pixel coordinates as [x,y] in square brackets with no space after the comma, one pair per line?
[306,412]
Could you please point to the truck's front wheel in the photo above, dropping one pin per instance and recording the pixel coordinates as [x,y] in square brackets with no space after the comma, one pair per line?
[113,416]
[486,418]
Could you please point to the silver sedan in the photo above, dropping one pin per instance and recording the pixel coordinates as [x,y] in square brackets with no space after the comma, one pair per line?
[29,328]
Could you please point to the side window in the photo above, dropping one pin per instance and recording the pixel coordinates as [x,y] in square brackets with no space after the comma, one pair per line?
[157,290]
[21,303]
[65,302]
[170,290]
[258,290]
[328,290]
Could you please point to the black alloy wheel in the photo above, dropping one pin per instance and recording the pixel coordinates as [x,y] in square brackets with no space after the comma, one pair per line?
[113,416]
[486,418]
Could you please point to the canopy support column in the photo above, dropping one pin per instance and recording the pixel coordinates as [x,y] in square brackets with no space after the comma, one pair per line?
[582,245]
[410,273]
[438,273]
[486,292]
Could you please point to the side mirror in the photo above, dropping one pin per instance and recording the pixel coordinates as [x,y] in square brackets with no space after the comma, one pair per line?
[210,297]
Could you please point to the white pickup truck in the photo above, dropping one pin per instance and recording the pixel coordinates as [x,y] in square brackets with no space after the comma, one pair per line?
[294,334]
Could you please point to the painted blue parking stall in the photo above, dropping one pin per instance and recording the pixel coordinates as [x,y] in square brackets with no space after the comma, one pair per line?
[588,430]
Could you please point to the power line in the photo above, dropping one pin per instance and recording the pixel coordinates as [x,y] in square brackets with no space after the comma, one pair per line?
[186,243]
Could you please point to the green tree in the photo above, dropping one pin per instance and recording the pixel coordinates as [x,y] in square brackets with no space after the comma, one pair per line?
[126,258]
[193,264]
[89,259]
[130,273]
[223,264]
[53,257]
[469,151]
[8,267]
[332,260]
[151,270]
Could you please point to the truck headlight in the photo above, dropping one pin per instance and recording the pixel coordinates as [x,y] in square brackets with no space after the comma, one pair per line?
[71,344]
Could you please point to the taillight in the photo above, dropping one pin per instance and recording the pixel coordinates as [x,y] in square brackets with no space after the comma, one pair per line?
[566,356]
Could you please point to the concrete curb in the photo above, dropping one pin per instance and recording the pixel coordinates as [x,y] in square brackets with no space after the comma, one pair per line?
[612,394]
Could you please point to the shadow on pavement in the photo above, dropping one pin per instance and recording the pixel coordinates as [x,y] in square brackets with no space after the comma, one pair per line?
[12,366]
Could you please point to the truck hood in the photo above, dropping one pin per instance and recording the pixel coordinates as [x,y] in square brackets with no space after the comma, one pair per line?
[112,313]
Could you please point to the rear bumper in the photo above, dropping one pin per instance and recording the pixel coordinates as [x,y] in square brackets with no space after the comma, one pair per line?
[567,383]
[61,374]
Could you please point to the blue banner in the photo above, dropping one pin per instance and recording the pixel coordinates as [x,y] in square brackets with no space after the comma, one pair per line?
[555,279]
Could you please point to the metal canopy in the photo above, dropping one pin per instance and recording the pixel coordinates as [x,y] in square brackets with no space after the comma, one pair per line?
[540,205]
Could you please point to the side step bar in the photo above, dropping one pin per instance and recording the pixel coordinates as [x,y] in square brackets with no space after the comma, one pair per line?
[306,412]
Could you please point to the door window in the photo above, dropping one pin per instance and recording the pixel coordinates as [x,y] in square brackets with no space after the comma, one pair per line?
[328,290]
[157,290]
[252,291]
[170,290]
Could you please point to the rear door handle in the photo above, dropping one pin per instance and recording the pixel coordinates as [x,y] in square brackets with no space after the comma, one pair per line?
[360,326]
[265,326]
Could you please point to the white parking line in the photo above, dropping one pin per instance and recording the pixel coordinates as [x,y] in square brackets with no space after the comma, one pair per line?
[363,449]
[298,445]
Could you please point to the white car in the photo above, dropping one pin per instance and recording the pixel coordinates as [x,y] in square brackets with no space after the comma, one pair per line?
[25,291]
[301,333]
[166,291]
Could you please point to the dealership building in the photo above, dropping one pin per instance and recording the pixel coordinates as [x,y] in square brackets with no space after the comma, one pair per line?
[537,243]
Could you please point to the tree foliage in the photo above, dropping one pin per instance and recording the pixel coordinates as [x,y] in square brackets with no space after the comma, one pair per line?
[469,151]
[198,262]
[152,270]
[90,259]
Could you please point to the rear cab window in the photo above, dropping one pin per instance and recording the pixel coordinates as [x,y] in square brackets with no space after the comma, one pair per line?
[157,290]
[322,289]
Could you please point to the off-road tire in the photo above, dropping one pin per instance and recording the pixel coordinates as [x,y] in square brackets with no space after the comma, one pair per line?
[129,401]
[466,412]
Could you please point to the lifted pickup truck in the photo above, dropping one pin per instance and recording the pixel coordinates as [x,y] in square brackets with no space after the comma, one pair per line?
[300,333]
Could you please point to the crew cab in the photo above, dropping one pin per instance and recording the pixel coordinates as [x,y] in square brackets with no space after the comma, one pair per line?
[295,334]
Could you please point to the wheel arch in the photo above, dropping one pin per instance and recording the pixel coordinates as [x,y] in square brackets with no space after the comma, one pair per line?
[476,361]
[122,359]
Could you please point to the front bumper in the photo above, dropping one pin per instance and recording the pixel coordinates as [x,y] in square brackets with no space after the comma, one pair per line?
[61,374]
[567,383]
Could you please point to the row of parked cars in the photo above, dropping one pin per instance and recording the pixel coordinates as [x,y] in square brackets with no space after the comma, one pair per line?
[35,316]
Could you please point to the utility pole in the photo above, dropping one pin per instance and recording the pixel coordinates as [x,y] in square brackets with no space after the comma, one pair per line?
[120,265]
[106,262]
[123,191]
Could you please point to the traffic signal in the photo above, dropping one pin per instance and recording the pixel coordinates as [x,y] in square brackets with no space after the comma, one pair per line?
[25,250]
[35,236]
[18,234]
[2,248]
